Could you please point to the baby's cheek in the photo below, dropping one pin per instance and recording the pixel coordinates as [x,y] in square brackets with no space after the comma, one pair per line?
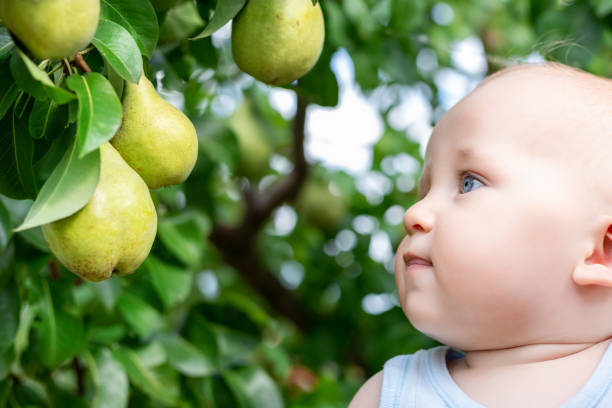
[478,259]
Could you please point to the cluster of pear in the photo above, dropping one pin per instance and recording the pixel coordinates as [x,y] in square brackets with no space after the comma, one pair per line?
[155,146]
[278,41]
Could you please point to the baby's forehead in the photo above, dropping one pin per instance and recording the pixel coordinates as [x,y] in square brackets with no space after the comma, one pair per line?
[542,110]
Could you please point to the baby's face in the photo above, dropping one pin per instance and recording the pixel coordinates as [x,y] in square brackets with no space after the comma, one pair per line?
[497,218]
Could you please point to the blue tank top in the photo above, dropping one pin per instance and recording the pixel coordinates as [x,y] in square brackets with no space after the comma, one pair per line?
[422,380]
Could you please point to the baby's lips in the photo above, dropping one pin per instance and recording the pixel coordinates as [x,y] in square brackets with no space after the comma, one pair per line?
[410,258]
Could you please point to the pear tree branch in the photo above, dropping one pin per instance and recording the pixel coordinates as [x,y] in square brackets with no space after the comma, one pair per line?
[238,245]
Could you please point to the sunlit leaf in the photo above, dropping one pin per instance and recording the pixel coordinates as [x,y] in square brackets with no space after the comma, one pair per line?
[136,16]
[144,378]
[112,386]
[186,358]
[255,387]
[143,318]
[119,49]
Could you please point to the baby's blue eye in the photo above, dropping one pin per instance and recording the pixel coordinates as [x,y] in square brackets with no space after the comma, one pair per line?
[467,182]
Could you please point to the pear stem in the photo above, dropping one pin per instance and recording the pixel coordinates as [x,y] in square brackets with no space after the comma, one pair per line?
[80,62]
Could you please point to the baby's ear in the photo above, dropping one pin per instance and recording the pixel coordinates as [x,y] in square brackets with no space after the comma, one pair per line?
[597,268]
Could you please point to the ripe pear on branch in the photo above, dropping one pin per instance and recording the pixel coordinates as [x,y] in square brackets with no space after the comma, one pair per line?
[113,233]
[52,28]
[278,41]
[155,139]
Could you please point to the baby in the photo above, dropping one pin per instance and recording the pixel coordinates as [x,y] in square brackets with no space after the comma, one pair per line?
[508,254]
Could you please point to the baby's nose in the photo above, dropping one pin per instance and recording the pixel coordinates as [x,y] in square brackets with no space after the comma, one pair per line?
[418,218]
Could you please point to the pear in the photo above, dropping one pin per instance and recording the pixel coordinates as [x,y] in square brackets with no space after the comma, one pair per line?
[278,41]
[155,139]
[253,146]
[114,231]
[319,205]
[52,28]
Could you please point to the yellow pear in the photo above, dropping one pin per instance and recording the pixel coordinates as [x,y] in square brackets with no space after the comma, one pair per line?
[155,139]
[52,28]
[113,233]
[278,41]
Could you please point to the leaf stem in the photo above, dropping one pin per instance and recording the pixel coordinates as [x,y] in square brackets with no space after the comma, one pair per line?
[55,68]
[67,67]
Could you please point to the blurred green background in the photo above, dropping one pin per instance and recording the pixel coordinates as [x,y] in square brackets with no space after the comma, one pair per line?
[270,283]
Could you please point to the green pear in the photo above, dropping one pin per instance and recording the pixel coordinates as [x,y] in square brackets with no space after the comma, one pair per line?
[252,143]
[278,41]
[114,231]
[319,205]
[52,28]
[155,139]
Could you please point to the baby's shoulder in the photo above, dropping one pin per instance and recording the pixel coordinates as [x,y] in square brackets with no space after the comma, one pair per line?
[369,393]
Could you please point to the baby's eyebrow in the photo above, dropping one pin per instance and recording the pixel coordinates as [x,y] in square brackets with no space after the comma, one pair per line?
[462,154]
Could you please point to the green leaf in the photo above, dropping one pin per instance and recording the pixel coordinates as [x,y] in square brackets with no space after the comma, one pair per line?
[180,22]
[119,49]
[152,354]
[254,388]
[108,292]
[6,360]
[320,85]
[136,16]
[6,42]
[200,333]
[225,11]
[5,227]
[186,358]
[143,318]
[145,378]
[61,335]
[17,179]
[185,236]
[100,112]
[112,386]
[9,310]
[8,88]
[35,81]
[67,189]
[5,388]
[47,119]
[602,7]
[35,237]
[172,283]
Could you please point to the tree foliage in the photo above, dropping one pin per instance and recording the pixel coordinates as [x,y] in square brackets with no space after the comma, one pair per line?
[232,307]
